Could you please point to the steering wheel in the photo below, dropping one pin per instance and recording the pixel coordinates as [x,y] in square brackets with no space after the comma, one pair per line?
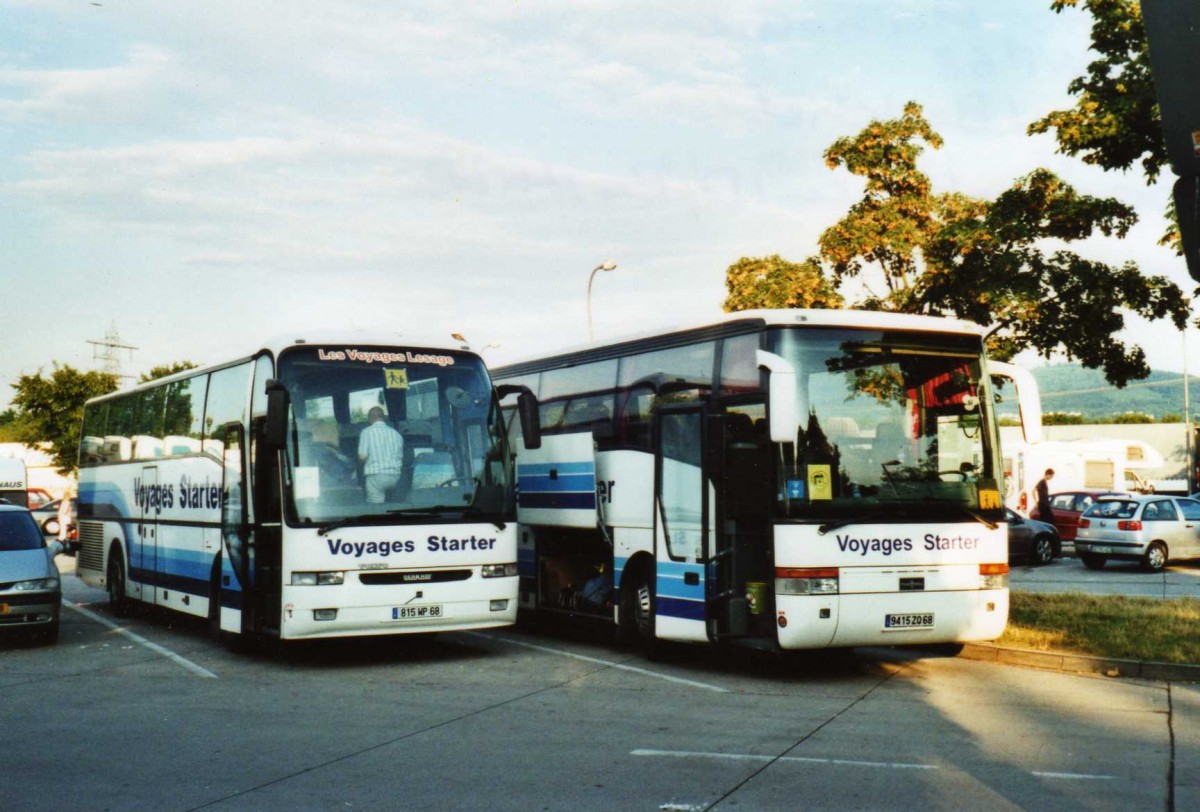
[454,479]
[962,476]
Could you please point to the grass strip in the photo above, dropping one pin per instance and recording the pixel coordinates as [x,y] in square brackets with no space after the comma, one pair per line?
[1165,631]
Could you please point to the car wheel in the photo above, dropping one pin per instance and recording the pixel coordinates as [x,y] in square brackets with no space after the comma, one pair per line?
[50,526]
[1155,558]
[1092,561]
[50,635]
[117,600]
[1043,550]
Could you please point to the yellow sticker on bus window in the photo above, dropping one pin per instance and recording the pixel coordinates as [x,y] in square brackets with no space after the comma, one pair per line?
[820,482]
[396,378]
[989,499]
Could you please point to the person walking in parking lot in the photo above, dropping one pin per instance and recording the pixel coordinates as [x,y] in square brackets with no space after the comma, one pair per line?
[1044,513]
[381,451]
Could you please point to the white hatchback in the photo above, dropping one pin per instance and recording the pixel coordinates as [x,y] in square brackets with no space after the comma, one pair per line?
[1147,529]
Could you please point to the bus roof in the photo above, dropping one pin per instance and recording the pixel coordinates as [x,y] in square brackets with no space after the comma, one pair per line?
[317,338]
[750,320]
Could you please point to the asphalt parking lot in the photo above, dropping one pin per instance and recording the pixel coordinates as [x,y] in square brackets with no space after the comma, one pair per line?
[1068,574]
[145,713]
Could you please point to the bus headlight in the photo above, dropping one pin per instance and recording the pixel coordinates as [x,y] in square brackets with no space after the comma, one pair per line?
[498,570]
[318,578]
[806,581]
[993,576]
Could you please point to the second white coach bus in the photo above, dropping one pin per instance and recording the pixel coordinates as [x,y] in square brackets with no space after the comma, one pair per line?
[236,492]
[777,479]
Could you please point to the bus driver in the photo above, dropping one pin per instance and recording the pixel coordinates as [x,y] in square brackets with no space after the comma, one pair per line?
[381,450]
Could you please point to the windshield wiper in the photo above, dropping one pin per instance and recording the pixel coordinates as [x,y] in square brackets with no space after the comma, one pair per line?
[441,510]
[349,520]
[966,511]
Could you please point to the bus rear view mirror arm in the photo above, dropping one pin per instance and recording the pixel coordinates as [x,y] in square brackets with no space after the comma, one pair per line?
[527,408]
[278,403]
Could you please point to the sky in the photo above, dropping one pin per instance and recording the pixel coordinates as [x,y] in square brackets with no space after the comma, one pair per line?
[204,175]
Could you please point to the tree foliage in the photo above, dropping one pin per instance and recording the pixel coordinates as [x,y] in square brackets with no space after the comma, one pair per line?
[166,370]
[1115,122]
[990,262]
[50,409]
[774,282]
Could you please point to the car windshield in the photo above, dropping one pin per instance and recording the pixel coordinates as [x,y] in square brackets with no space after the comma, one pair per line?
[18,531]
[890,421]
[1113,509]
[427,425]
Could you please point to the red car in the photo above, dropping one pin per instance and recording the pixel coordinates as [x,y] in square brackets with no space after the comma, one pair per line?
[1068,506]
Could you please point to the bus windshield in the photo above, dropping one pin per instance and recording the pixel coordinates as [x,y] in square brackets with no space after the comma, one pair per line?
[387,435]
[892,425]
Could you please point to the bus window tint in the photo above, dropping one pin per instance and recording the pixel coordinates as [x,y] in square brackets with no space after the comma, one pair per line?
[183,418]
[885,421]
[91,445]
[739,365]
[118,430]
[227,390]
[147,431]
[450,434]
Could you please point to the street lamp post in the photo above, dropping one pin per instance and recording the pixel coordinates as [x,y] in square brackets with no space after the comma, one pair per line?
[608,265]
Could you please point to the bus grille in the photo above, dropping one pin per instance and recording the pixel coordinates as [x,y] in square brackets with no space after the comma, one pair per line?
[91,546]
[427,577]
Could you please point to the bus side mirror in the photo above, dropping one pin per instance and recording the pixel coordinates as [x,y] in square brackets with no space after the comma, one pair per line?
[784,409]
[527,409]
[1029,398]
[278,401]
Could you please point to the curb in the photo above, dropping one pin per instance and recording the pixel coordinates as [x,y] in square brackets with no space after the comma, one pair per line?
[1081,663]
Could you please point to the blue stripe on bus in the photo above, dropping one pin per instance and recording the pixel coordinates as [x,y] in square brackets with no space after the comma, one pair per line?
[544,468]
[675,607]
[564,501]
[571,482]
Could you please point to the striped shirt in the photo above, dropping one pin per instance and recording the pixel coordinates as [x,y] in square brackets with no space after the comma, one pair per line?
[383,448]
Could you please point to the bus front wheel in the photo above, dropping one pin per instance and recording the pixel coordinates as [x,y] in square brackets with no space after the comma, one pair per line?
[637,612]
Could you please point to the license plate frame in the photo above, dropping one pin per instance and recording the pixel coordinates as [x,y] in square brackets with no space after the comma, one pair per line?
[904,621]
[426,611]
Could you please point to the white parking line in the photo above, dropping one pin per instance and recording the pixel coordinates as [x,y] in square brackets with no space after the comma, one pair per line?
[895,765]
[609,663]
[141,641]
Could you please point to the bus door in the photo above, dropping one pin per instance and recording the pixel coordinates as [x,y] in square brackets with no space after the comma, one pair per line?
[741,570]
[682,525]
[145,563]
[234,592]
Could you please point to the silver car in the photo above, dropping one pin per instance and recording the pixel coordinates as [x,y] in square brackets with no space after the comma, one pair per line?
[30,587]
[1147,529]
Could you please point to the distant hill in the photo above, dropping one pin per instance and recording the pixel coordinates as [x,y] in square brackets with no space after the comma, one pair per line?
[1073,388]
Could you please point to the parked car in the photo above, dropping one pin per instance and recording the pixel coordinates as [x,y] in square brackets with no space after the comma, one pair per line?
[1146,529]
[30,587]
[1030,539]
[1068,506]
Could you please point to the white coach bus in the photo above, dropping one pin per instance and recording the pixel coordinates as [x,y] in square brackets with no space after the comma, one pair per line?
[236,492]
[778,479]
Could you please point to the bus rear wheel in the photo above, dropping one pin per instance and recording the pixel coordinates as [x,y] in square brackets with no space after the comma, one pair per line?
[118,602]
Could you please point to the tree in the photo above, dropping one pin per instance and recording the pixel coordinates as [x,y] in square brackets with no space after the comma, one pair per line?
[774,282]
[988,261]
[165,370]
[51,409]
[1116,121]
